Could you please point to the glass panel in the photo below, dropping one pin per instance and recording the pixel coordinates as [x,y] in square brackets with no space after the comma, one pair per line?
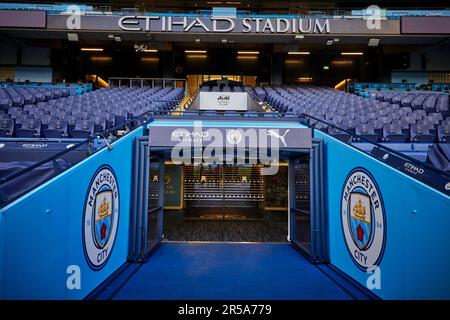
[302,210]
[154,232]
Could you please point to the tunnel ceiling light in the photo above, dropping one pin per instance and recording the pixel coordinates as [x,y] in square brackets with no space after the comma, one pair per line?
[329,42]
[92,49]
[299,52]
[299,36]
[248,52]
[195,51]
[352,53]
[150,50]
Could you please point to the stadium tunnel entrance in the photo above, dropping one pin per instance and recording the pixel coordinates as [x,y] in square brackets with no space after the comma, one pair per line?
[235,194]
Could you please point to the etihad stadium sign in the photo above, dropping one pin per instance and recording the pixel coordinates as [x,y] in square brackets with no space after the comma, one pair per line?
[224,25]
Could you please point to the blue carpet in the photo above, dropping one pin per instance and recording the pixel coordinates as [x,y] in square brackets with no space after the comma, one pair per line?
[216,271]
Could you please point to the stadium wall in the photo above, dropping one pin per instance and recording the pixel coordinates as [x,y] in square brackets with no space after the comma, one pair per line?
[33,263]
[416,254]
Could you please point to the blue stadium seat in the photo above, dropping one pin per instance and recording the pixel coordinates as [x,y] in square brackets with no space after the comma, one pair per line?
[443,132]
[83,129]
[6,127]
[56,129]
[421,134]
[31,128]
[367,132]
[393,133]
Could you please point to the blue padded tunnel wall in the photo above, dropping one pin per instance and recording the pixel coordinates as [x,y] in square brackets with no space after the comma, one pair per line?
[36,247]
[417,252]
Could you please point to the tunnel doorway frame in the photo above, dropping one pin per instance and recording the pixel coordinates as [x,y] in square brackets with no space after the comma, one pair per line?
[140,249]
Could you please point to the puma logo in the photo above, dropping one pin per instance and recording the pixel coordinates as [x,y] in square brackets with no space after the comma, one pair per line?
[275,134]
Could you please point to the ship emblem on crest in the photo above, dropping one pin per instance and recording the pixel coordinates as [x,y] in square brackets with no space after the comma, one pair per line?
[103,218]
[361,219]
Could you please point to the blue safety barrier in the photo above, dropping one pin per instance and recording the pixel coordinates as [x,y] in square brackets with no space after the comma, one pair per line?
[417,220]
[440,87]
[364,88]
[51,8]
[41,236]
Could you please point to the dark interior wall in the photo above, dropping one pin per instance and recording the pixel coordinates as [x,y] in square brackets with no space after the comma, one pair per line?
[73,64]
[321,68]
[223,61]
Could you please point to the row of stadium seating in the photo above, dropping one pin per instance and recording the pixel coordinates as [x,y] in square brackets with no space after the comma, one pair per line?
[84,115]
[18,97]
[417,117]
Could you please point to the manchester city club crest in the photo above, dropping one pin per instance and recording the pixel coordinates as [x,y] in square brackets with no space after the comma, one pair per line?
[363,219]
[101,217]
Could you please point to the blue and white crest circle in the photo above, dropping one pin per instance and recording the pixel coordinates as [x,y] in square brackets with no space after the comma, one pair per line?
[363,219]
[101,217]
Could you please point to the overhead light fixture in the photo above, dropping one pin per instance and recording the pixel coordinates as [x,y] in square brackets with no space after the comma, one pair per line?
[195,51]
[290,61]
[197,40]
[92,49]
[248,52]
[326,67]
[110,36]
[150,50]
[233,2]
[299,52]
[197,56]
[299,36]
[100,58]
[374,42]
[72,36]
[342,62]
[336,40]
[150,59]
[117,39]
[248,57]
[329,42]
[352,53]
[213,2]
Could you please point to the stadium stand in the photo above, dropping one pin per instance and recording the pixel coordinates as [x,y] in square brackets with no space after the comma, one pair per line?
[42,113]
[395,117]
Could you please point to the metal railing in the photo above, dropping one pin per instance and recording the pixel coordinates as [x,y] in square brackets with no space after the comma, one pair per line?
[391,13]
[114,133]
[147,117]
[359,138]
